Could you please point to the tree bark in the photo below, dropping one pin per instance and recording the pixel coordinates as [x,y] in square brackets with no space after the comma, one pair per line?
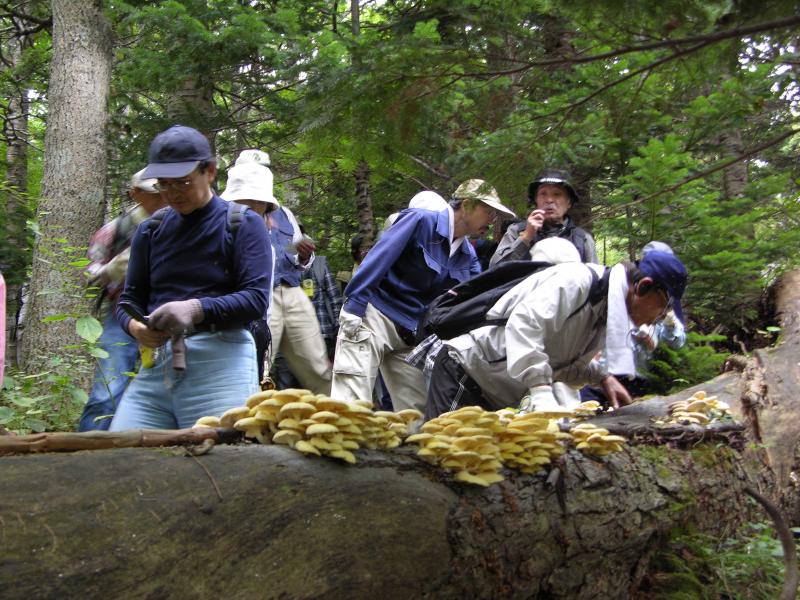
[15,133]
[71,204]
[366,218]
[266,521]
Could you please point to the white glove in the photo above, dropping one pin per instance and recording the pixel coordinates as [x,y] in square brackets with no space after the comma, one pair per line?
[349,323]
[539,398]
[669,320]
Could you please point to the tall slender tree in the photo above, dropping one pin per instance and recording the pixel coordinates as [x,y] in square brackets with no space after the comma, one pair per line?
[73,181]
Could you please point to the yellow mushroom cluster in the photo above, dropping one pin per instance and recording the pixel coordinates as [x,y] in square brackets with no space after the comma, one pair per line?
[530,441]
[476,444]
[596,441]
[588,409]
[699,409]
[315,424]
[463,441]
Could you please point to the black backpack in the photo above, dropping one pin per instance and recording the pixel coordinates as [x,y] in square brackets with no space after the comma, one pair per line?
[464,307]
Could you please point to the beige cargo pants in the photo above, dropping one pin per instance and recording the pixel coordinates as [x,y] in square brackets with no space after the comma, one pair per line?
[375,346]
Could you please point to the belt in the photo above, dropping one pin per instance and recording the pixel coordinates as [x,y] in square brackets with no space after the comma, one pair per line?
[213,328]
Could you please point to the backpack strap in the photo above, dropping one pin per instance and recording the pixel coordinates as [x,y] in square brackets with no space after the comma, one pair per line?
[235,216]
[579,241]
[154,222]
[234,219]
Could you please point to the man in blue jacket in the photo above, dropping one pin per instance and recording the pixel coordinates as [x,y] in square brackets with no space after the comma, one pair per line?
[194,282]
[424,253]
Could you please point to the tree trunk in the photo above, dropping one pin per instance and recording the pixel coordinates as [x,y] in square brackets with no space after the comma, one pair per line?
[71,204]
[366,218]
[192,105]
[15,132]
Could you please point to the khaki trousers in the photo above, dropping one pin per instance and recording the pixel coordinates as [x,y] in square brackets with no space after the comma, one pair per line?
[296,334]
[375,346]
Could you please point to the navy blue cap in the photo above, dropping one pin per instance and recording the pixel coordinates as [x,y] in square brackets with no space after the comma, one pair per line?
[667,271]
[176,152]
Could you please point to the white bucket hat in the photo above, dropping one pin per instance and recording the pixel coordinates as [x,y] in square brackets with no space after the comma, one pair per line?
[555,250]
[249,181]
[253,155]
[480,190]
[140,183]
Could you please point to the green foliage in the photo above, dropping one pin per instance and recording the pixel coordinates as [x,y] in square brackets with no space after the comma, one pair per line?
[48,401]
[697,566]
[672,370]
[52,400]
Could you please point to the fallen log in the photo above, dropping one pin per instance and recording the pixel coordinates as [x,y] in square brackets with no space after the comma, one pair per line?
[265,521]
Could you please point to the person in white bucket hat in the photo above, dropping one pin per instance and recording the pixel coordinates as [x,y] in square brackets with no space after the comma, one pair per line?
[293,325]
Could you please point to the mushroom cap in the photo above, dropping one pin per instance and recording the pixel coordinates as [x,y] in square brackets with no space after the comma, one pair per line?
[270,404]
[290,395]
[473,431]
[258,397]
[345,455]
[322,444]
[468,477]
[264,415]
[324,415]
[230,416]
[249,423]
[207,422]
[331,404]
[286,436]
[289,423]
[419,438]
[388,415]
[321,429]
[353,409]
[410,414]
[306,448]
[296,409]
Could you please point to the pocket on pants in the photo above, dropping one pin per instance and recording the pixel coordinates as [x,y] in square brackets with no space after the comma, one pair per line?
[354,355]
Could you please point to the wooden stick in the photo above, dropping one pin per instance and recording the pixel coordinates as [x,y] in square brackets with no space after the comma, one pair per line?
[104,440]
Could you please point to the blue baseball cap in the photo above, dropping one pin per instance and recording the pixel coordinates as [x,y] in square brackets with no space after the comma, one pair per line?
[176,152]
[668,272]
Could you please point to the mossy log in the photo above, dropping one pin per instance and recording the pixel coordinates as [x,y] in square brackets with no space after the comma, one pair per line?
[267,522]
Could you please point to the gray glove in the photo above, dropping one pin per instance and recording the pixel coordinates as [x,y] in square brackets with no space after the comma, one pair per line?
[178,317]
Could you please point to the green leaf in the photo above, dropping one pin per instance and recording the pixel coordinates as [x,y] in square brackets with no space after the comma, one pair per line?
[54,318]
[78,395]
[90,330]
[36,425]
[6,414]
[773,329]
[98,352]
[23,402]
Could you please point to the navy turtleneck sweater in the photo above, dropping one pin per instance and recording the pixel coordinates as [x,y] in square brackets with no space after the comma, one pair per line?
[195,256]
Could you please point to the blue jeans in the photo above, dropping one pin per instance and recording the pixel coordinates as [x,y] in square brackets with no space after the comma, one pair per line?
[109,379]
[221,373]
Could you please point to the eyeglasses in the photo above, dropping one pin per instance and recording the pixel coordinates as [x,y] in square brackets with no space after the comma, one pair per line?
[176,185]
[667,305]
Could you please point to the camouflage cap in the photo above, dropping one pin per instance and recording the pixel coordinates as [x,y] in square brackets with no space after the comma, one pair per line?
[480,190]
